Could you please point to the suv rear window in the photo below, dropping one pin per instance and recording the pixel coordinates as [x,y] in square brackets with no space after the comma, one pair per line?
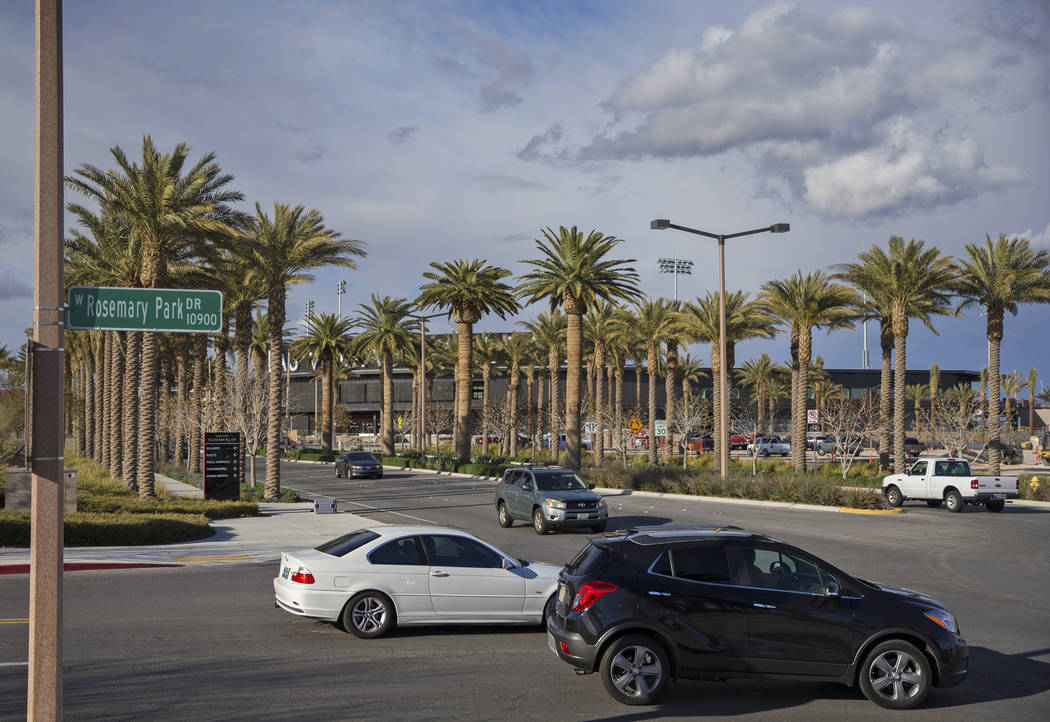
[589,559]
[342,545]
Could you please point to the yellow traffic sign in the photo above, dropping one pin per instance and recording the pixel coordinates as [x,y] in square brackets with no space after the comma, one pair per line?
[399,420]
[635,425]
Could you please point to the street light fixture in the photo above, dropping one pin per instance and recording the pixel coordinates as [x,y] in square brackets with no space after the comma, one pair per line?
[660,224]
[423,376]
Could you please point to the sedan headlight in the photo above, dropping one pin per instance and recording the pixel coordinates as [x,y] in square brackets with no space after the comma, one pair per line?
[555,503]
[942,619]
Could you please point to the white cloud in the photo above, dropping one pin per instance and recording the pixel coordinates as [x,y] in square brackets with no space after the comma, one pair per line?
[1038,238]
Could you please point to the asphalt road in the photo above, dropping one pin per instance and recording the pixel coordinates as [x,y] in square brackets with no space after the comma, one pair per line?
[206,643]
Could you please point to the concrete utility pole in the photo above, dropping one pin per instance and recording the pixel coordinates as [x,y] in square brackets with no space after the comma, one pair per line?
[44,700]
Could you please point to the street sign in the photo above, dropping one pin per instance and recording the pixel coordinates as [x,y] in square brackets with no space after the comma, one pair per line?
[144,309]
[222,465]
[590,427]
[812,416]
[399,420]
[660,427]
[635,425]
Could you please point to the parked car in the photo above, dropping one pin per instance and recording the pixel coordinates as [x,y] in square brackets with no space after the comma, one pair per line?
[737,440]
[1011,453]
[911,445]
[847,443]
[813,443]
[768,445]
[700,442]
[550,497]
[358,463]
[585,441]
[949,480]
[652,604]
[372,579]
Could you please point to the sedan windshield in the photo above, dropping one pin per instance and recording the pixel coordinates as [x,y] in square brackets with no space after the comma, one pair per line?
[360,456]
[566,481]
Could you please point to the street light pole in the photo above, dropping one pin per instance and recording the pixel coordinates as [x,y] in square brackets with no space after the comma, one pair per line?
[340,289]
[723,376]
[422,425]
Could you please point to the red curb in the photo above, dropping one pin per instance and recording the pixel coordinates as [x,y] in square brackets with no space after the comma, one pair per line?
[84,566]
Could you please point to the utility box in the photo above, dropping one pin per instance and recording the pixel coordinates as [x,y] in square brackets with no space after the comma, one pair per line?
[325,506]
[18,490]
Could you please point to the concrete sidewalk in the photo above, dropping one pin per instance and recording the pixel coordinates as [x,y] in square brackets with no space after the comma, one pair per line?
[250,539]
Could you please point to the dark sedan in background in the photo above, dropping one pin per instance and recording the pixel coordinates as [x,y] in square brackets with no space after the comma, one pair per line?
[358,463]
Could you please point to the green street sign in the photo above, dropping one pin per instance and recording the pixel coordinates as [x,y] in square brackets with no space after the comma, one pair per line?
[144,309]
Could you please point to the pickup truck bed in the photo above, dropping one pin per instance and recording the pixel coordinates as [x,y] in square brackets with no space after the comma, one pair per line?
[949,480]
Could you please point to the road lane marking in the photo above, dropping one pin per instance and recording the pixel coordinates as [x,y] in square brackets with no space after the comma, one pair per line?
[14,664]
[388,511]
[218,558]
[15,620]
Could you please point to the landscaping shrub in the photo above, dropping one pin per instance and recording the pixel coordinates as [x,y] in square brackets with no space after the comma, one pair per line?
[309,455]
[127,504]
[92,529]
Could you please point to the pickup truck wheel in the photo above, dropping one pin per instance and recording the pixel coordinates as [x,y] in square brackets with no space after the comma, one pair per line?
[933,503]
[894,497]
[995,506]
[504,516]
[895,675]
[954,501]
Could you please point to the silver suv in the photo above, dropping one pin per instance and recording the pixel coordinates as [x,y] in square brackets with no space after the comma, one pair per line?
[550,497]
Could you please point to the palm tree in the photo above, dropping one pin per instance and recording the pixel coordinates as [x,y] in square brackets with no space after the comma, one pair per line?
[656,320]
[909,281]
[804,303]
[777,389]
[1012,387]
[573,271]
[286,248]
[548,331]
[386,331]
[325,340]
[935,382]
[1000,276]
[916,393]
[757,374]
[165,210]
[600,327]
[516,350]
[486,352]
[468,289]
[745,319]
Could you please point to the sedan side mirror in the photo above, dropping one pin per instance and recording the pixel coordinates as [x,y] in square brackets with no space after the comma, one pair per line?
[832,591]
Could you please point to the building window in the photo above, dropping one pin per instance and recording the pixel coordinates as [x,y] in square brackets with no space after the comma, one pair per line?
[477,390]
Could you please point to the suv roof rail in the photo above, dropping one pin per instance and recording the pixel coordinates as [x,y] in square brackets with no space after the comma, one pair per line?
[648,528]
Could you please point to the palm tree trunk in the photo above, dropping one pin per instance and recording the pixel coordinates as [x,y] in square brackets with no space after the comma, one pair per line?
[799,398]
[669,389]
[995,337]
[77,386]
[530,409]
[512,435]
[275,310]
[650,372]
[540,398]
[165,381]
[327,403]
[638,385]
[387,440]
[180,404]
[574,356]
[200,352]
[131,426]
[618,413]
[98,353]
[116,466]
[900,355]
[464,364]
[760,395]
[89,403]
[554,368]
[885,394]
[716,403]
[147,415]
[218,384]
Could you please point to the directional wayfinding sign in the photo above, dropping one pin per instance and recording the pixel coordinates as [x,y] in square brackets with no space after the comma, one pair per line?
[145,309]
[635,425]
[222,465]
[660,427]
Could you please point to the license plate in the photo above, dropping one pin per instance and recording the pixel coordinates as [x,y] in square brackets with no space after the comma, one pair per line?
[562,593]
[997,496]
[286,572]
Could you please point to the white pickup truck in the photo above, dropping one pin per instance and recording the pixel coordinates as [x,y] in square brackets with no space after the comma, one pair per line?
[950,480]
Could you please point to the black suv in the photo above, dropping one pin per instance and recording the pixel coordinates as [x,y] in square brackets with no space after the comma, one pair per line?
[642,606]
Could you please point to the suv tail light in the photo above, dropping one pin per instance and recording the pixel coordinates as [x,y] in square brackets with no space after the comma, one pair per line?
[973,484]
[302,575]
[589,593]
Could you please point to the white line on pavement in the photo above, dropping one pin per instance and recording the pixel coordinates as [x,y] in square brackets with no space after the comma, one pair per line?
[388,511]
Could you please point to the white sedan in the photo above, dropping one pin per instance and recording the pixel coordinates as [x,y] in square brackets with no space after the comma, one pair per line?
[372,579]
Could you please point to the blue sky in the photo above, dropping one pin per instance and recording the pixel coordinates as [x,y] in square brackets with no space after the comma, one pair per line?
[444,129]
